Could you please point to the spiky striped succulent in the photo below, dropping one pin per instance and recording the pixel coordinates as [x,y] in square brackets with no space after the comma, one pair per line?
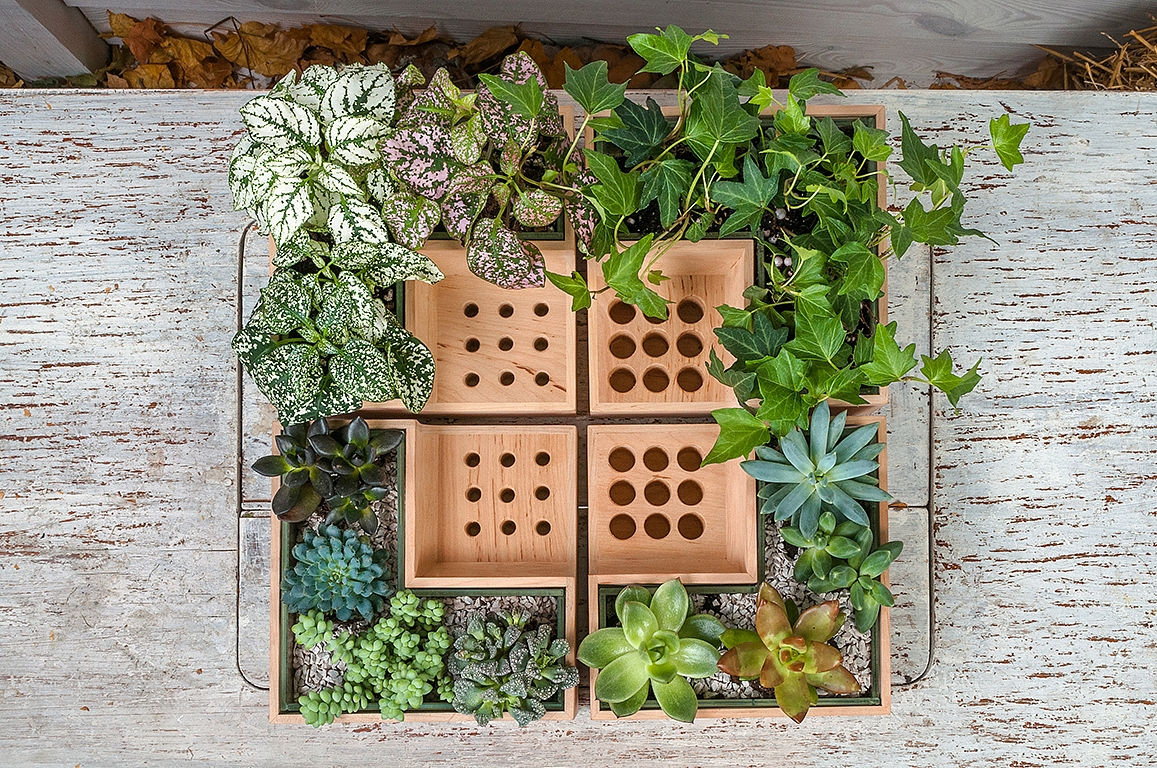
[337,573]
[498,666]
[820,470]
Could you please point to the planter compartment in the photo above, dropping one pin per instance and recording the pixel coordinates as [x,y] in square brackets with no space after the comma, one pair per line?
[639,365]
[603,588]
[654,514]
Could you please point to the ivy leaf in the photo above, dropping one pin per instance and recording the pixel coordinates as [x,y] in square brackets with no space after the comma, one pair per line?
[361,370]
[938,371]
[748,199]
[889,362]
[717,117]
[617,193]
[574,286]
[739,434]
[819,334]
[764,340]
[915,154]
[280,124]
[1006,138]
[781,408]
[835,141]
[864,275]
[665,52]
[497,255]
[621,273]
[591,88]
[642,132]
[842,384]
[741,381]
[525,98]
[735,318]
[667,181]
[931,227]
[806,84]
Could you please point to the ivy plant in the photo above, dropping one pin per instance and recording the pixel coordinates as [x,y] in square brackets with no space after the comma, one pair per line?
[309,170]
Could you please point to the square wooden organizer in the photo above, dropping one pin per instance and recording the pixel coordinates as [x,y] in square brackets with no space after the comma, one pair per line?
[603,586]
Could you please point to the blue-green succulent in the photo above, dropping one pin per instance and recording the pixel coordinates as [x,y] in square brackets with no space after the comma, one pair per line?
[337,573]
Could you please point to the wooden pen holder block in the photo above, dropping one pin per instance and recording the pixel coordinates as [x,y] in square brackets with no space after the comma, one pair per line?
[655,514]
[640,365]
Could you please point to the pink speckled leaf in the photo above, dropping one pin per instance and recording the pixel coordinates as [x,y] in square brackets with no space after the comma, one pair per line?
[509,159]
[468,193]
[410,218]
[498,118]
[582,215]
[497,255]
[537,208]
[423,158]
[550,121]
[430,107]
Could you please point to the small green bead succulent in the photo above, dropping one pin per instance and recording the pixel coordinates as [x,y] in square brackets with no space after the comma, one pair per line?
[657,648]
[337,572]
[323,707]
[842,557]
[823,470]
[312,628]
[498,667]
[340,465]
[788,652]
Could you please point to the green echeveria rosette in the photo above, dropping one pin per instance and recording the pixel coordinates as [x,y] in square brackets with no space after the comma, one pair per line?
[336,573]
[657,648]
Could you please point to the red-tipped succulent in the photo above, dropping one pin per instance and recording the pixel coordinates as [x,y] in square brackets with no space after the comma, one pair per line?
[791,657]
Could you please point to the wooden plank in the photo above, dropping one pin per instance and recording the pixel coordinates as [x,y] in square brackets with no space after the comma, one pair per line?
[909,440]
[253,597]
[46,38]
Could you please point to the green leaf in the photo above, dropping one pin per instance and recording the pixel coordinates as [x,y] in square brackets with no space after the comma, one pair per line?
[618,193]
[670,605]
[592,90]
[748,199]
[639,623]
[281,124]
[717,117]
[931,227]
[600,648]
[665,52]
[621,273]
[574,286]
[835,141]
[864,275]
[1006,138]
[285,304]
[696,658]
[871,142]
[938,371]
[806,84]
[622,678]
[642,132]
[916,154]
[677,699]
[889,362]
[819,335]
[525,98]
[667,181]
[739,434]
[354,140]
[360,369]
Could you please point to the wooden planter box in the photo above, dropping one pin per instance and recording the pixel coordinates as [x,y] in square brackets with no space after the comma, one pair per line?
[413,457]
[876,701]
[654,514]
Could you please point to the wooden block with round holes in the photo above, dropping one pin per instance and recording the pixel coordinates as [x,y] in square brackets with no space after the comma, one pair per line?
[494,506]
[644,366]
[654,514]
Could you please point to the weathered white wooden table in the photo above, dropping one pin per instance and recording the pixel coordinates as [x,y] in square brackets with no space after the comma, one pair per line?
[131,539]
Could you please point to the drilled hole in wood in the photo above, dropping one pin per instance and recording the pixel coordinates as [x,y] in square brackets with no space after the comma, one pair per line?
[656,379]
[542,378]
[473,529]
[542,459]
[689,380]
[541,309]
[655,459]
[622,380]
[622,493]
[657,493]
[622,527]
[505,310]
[622,346]
[472,459]
[655,344]
[690,526]
[543,528]
[690,492]
[505,343]
[470,310]
[689,345]
[507,495]
[508,527]
[689,459]
[621,312]
[473,494]
[471,380]
[621,459]
[506,379]
[472,345]
[542,493]
[690,311]
[540,344]
[657,526]
[656,320]
[506,459]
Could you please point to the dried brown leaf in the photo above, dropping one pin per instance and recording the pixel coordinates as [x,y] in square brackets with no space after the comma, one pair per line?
[350,41]
[116,81]
[150,76]
[382,53]
[8,78]
[263,48]
[493,42]
[556,72]
[622,65]
[143,38]
[122,24]
[773,60]
[199,64]
[846,84]
[1049,75]
[428,34]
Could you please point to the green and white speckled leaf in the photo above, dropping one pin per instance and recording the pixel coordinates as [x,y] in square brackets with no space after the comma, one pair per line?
[379,184]
[280,124]
[395,262]
[361,370]
[411,218]
[353,140]
[383,320]
[253,342]
[241,170]
[352,219]
[361,91]
[285,304]
[355,255]
[287,207]
[497,255]
[304,365]
[299,248]
[466,139]
[413,365]
[337,179]
[331,401]
[337,310]
[289,162]
[537,208]
[363,321]
[310,88]
[323,201]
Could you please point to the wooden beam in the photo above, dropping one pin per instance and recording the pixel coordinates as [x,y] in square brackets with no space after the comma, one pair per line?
[46,38]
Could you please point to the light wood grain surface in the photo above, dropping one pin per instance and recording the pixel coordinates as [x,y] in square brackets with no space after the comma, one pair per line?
[118,522]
